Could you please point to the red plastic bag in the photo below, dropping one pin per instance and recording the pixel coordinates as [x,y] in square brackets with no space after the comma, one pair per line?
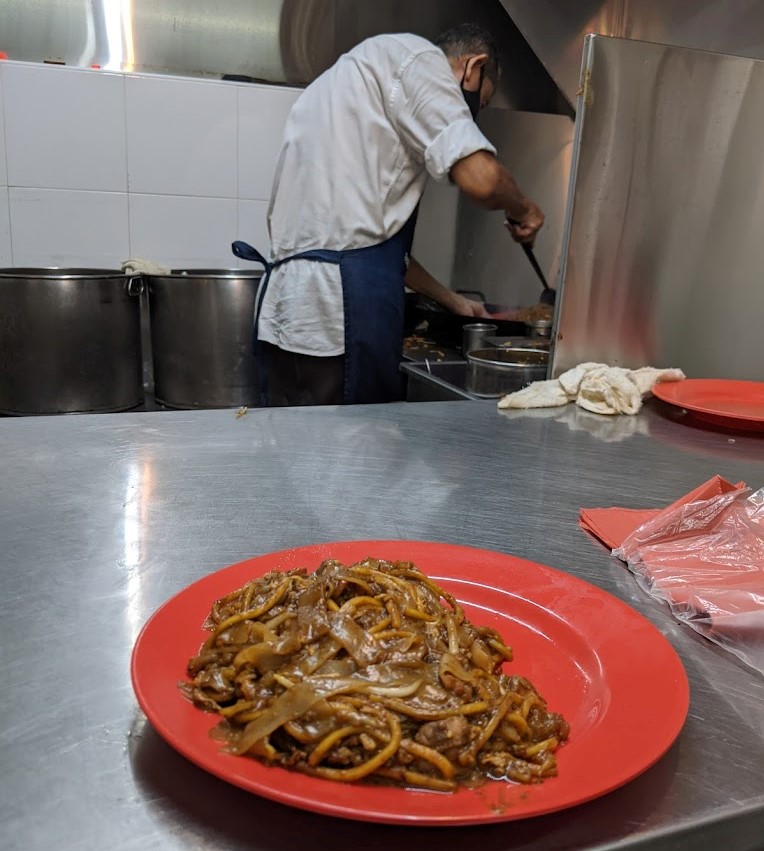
[705,559]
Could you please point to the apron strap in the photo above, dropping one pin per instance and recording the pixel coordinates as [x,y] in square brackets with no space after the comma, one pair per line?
[246,252]
[321,255]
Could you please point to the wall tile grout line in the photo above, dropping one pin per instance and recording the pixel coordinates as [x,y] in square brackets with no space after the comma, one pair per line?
[5,157]
[237,235]
[127,172]
[57,188]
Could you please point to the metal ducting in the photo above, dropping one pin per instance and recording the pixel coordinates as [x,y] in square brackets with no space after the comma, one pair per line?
[555,29]
[273,41]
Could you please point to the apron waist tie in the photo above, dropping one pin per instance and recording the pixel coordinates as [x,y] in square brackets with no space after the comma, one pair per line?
[247,252]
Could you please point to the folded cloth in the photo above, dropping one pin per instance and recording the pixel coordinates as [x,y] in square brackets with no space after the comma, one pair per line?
[139,266]
[703,556]
[539,394]
[595,387]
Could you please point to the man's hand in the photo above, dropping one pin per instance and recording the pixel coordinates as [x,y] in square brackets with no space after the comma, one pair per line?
[468,307]
[421,281]
[524,230]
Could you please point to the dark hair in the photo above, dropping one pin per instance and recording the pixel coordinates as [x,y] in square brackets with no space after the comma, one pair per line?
[465,39]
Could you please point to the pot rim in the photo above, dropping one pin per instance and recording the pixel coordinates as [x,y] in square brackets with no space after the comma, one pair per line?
[195,274]
[56,273]
[488,357]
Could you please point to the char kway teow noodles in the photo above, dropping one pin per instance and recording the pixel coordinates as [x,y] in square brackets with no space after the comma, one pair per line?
[369,672]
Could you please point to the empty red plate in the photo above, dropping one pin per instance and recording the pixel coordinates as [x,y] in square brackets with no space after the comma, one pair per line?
[729,403]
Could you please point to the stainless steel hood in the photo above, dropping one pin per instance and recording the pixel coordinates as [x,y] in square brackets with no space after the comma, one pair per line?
[274,41]
[555,29]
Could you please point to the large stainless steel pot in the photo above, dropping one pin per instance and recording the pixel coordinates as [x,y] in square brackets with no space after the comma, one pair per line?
[201,337]
[70,341]
[495,372]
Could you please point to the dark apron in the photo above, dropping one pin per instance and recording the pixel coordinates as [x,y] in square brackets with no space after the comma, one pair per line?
[373,302]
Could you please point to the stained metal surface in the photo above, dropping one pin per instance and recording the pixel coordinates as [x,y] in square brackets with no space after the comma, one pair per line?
[70,340]
[555,29]
[276,41]
[103,518]
[201,338]
[662,251]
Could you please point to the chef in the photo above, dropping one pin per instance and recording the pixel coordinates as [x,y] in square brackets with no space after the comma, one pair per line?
[358,146]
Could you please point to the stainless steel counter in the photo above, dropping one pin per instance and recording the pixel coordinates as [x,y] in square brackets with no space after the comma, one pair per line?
[102,518]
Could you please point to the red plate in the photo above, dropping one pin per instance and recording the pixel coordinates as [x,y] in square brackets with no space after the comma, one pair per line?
[613,675]
[733,404]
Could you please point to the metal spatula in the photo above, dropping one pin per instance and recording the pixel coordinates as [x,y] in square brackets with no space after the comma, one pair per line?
[548,295]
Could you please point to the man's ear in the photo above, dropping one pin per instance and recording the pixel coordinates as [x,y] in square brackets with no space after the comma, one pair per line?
[473,66]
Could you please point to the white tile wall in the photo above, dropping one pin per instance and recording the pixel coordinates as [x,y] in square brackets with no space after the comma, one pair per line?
[64,128]
[103,167]
[183,232]
[6,257]
[253,228]
[62,227]
[181,137]
[262,114]
[3,172]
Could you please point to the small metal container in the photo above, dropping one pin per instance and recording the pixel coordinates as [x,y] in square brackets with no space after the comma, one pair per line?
[474,334]
[494,372]
[541,328]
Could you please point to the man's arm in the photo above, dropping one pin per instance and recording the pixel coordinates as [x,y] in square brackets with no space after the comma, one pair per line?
[485,181]
[421,281]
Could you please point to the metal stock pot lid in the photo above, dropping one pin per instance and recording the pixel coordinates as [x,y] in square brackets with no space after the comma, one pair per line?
[58,273]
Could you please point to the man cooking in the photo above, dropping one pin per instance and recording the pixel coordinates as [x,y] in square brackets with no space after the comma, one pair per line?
[358,146]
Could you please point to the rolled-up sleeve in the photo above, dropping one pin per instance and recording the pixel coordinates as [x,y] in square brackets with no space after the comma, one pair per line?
[431,116]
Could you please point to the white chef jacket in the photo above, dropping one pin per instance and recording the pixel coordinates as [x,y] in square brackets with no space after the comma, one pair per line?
[358,145]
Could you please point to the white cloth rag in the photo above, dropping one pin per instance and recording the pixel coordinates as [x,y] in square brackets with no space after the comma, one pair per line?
[594,387]
[139,266]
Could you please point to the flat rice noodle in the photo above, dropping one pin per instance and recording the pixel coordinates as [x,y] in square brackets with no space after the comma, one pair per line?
[481,657]
[450,664]
[392,673]
[312,619]
[312,658]
[261,656]
[337,668]
[358,643]
[289,705]
[289,640]
[392,680]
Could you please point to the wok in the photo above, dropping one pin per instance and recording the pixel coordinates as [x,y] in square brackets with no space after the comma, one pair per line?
[446,327]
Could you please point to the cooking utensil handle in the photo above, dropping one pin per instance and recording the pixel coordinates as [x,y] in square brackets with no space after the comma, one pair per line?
[536,268]
[528,249]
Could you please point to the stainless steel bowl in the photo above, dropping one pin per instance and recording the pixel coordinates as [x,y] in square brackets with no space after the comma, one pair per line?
[495,372]
[474,334]
[539,328]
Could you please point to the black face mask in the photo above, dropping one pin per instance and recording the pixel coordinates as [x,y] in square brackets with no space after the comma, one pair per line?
[473,98]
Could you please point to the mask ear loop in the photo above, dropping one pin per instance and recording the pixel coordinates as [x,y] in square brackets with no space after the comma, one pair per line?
[480,83]
[482,77]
